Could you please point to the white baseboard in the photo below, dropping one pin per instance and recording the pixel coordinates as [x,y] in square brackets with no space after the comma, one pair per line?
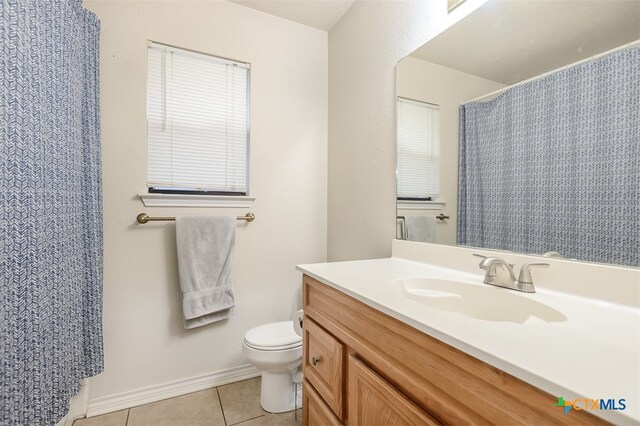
[120,401]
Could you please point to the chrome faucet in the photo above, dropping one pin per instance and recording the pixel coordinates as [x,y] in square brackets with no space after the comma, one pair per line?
[500,273]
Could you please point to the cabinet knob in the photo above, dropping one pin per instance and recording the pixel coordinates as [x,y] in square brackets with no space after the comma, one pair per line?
[315,360]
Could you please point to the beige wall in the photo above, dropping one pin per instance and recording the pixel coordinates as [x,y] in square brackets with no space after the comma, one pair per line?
[448,88]
[364,47]
[145,343]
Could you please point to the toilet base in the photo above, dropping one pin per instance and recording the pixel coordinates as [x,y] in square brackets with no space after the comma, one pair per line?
[278,392]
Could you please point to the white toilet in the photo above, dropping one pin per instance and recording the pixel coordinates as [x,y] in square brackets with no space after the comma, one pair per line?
[276,349]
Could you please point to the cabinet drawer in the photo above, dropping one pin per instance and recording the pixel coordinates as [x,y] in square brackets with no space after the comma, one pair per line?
[314,411]
[373,401]
[323,364]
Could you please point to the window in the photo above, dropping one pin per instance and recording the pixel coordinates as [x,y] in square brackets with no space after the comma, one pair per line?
[418,170]
[197,122]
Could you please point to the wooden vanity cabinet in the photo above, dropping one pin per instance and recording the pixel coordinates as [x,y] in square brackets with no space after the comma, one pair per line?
[362,367]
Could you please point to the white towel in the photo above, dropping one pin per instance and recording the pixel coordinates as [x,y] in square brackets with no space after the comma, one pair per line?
[205,264]
[420,228]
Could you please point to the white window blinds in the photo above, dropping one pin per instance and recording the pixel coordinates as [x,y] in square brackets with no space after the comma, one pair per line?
[418,169]
[197,122]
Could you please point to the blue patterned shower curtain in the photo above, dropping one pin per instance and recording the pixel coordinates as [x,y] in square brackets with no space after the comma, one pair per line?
[554,164]
[50,208]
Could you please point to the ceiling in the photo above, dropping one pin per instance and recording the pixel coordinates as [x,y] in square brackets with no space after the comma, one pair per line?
[320,14]
[509,41]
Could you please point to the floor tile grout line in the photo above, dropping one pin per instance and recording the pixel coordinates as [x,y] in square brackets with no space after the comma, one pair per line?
[221,407]
[126,423]
[247,420]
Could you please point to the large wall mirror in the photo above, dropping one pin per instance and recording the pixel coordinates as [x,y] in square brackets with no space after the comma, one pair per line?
[519,130]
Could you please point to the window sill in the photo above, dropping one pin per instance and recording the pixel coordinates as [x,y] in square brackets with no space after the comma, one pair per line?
[420,205]
[188,200]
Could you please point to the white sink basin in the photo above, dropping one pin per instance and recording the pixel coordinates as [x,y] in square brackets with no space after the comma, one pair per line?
[480,301]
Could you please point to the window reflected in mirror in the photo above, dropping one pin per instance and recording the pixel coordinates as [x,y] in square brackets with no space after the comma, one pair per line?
[418,170]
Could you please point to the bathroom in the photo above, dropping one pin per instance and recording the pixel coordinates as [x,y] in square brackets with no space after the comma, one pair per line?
[326,81]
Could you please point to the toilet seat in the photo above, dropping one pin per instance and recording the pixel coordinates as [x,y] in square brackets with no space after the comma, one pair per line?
[272,348]
[275,336]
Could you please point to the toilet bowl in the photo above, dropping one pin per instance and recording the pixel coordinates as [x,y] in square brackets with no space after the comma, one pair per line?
[276,349]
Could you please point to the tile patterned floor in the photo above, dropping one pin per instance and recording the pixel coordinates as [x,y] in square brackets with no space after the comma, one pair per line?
[232,404]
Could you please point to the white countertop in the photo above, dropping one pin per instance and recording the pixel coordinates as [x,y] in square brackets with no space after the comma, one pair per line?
[592,353]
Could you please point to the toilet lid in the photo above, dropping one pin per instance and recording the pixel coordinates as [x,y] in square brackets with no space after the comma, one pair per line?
[273,336]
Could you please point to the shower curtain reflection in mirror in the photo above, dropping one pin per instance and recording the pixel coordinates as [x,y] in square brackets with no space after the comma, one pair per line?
[552,165]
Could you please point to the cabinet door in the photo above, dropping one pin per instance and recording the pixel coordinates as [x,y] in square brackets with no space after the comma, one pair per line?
[322,365]
[314,411]
[373,401]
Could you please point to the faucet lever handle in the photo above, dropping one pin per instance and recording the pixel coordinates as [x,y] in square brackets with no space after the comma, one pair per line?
[525,271]
[487,257]
[483,258]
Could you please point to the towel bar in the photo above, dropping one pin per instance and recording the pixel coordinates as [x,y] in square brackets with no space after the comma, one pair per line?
[144,218]
[439,217]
